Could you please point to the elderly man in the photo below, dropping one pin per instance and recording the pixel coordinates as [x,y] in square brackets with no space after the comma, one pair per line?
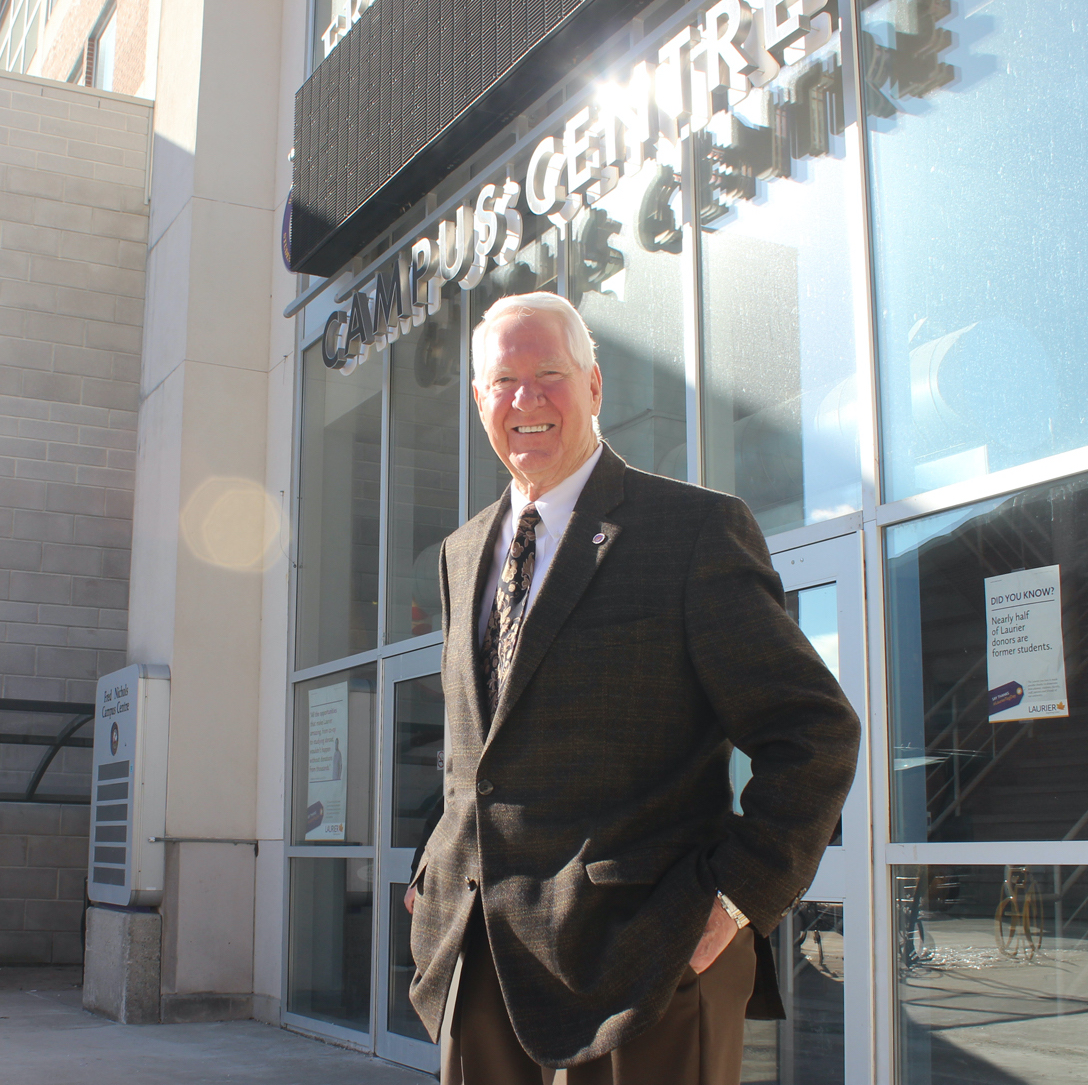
[610,636]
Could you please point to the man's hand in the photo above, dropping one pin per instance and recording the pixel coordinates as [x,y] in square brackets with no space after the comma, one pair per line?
[410,902]
[720,931]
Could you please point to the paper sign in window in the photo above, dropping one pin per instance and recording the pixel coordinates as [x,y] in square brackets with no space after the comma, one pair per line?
[1025,662]
[326,793]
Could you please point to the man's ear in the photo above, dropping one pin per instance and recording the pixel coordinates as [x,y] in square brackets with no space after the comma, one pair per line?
[476,395]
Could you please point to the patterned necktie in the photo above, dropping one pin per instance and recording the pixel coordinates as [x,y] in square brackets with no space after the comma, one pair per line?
[504,622]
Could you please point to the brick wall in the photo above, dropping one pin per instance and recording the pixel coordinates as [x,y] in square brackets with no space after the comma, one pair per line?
[43,864]
[73,244]
[66,34]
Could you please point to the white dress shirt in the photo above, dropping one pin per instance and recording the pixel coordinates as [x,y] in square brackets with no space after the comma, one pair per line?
[555,508]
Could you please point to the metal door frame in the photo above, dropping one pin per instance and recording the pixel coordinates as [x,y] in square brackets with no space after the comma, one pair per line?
[845,873]
[394,864]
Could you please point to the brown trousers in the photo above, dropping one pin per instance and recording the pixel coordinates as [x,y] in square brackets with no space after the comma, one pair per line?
[699,1040]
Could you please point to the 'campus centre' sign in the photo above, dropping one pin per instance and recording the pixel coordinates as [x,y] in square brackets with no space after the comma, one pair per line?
[701,72]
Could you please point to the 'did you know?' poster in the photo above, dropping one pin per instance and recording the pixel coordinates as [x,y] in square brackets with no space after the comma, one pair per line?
[1025,654]
[327,790]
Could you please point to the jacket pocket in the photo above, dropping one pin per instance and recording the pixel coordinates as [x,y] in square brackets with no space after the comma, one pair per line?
[644,866]
[417,877]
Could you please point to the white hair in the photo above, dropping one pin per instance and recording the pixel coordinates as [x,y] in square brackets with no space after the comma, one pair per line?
[579,342]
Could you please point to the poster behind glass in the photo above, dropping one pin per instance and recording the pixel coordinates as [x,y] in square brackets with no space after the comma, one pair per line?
[335,733]
[987,664]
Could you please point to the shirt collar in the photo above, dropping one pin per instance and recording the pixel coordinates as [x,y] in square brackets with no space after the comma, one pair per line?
[557,505]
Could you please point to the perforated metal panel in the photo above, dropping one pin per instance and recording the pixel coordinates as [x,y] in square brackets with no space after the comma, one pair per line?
[413,90]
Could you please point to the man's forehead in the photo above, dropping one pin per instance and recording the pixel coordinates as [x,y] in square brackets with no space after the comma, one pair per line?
[539,335]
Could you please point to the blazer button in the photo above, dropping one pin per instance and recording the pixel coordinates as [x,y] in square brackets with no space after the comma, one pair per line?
[485,787]
[471,883]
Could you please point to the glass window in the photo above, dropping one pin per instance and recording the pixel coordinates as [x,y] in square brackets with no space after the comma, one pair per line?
[340,495]
[424,466]
[335,724]
[808,1046]
[626,279]
[402,1018]
[332,20]
[976,133]
[534,268]
[418,729]
[816,611]
[992,974]
[779,357]
[30,44]
[18,26]
[987,669]
[105,54]
[332,923]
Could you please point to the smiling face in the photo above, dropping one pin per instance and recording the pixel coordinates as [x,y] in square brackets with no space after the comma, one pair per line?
[536,403]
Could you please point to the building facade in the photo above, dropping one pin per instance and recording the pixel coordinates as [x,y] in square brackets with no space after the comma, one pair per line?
[830,253]
[823,254]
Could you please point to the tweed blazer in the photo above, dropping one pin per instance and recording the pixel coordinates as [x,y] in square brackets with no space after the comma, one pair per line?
[593,819]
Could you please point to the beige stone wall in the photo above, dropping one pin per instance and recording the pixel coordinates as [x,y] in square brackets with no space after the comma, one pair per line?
[73,245]
[43,865]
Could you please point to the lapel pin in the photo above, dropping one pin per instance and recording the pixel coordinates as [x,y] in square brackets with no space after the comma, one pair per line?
[598,538]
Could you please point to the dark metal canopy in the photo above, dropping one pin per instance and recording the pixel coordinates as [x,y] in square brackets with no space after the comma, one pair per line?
[78,713]
[414,90]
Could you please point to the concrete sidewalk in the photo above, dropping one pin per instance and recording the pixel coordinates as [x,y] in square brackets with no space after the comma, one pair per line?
[46,1038]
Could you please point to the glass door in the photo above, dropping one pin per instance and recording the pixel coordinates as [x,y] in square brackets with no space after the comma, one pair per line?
[823,946]
[413,741]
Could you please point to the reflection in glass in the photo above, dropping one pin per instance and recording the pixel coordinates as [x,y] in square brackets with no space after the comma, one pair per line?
[534,268]
[806,1048]
[979,273]
[816,611]
[331,20]
[424,467]
[626,278]
[418,718]
[955,774]
[402,1019]
[339,492]
[779,394]
[992,974]
[324,782]
[332,914]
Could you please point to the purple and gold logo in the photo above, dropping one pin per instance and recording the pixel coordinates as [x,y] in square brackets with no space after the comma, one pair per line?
[1006,696]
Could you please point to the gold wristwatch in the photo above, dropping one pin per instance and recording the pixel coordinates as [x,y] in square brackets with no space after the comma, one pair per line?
[733,911]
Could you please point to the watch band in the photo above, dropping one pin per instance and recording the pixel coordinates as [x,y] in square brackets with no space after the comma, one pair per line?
[733,911]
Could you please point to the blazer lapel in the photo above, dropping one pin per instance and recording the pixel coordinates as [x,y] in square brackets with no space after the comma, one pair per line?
[570,573]
[474,553]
